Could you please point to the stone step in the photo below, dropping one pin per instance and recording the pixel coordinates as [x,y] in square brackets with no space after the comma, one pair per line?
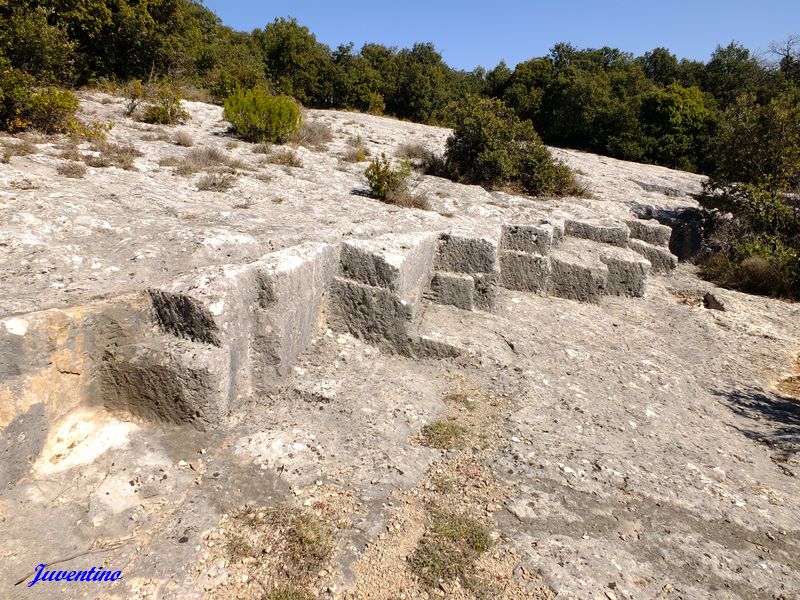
[401,263]
[466,252]
[531,238]
[607,231]
[661,259]
[525,272]
[464,291]
[169,380]
[650,231]
[373,314]
[264,313]
[627,271]
[577,271]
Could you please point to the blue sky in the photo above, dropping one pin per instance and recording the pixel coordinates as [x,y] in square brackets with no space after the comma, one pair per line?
[470,33]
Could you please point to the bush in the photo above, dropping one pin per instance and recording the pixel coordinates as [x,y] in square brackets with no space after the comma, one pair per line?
[258,116]
[758,248]
[384,181]
[23,105]
[490,146]
[134,93]
[165,107]
[391,185]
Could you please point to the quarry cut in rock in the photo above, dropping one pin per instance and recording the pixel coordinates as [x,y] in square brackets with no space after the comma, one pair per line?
[193,351]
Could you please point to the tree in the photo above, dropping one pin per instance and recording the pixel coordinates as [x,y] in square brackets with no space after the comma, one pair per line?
[730,73]
[760,143]
[296,63]
[660,66]
[526,87]
[358,84]
[424,84]
[680,127]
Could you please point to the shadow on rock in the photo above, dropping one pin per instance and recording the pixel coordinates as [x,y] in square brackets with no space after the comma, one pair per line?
[778,417]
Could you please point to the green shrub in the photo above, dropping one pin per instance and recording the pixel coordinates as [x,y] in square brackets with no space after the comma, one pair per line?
[134,93]
[23,105]
[258,116]
[384,181]
[490,146]
[760,143]
[758,249]
[165,106]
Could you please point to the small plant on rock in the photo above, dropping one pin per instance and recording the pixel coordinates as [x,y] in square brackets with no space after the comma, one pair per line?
[391,185]
[386,182]
[134,93]
[216,182]
[449,549]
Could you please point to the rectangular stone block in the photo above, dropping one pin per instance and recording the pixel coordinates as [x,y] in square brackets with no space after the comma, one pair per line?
[607,231]
[627,271]
[373,314]
[454,289]
[167,380]
[485,294]
[661,259]
[291,287]
[264,314]
[524,272]
[531,238]
[208,305]
[578,273]
[464,252]
[401,263]
[650,231]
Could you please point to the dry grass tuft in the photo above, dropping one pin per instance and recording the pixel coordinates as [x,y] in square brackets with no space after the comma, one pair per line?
[183,138]
[74,170]
[22,147]
[202,159]
[156,135]
[413,151]
[216,182]
[70,151]
[285,157]
[283,549]
[356,152]
[441,434]
[108,154]
[169,161]
[314,135]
